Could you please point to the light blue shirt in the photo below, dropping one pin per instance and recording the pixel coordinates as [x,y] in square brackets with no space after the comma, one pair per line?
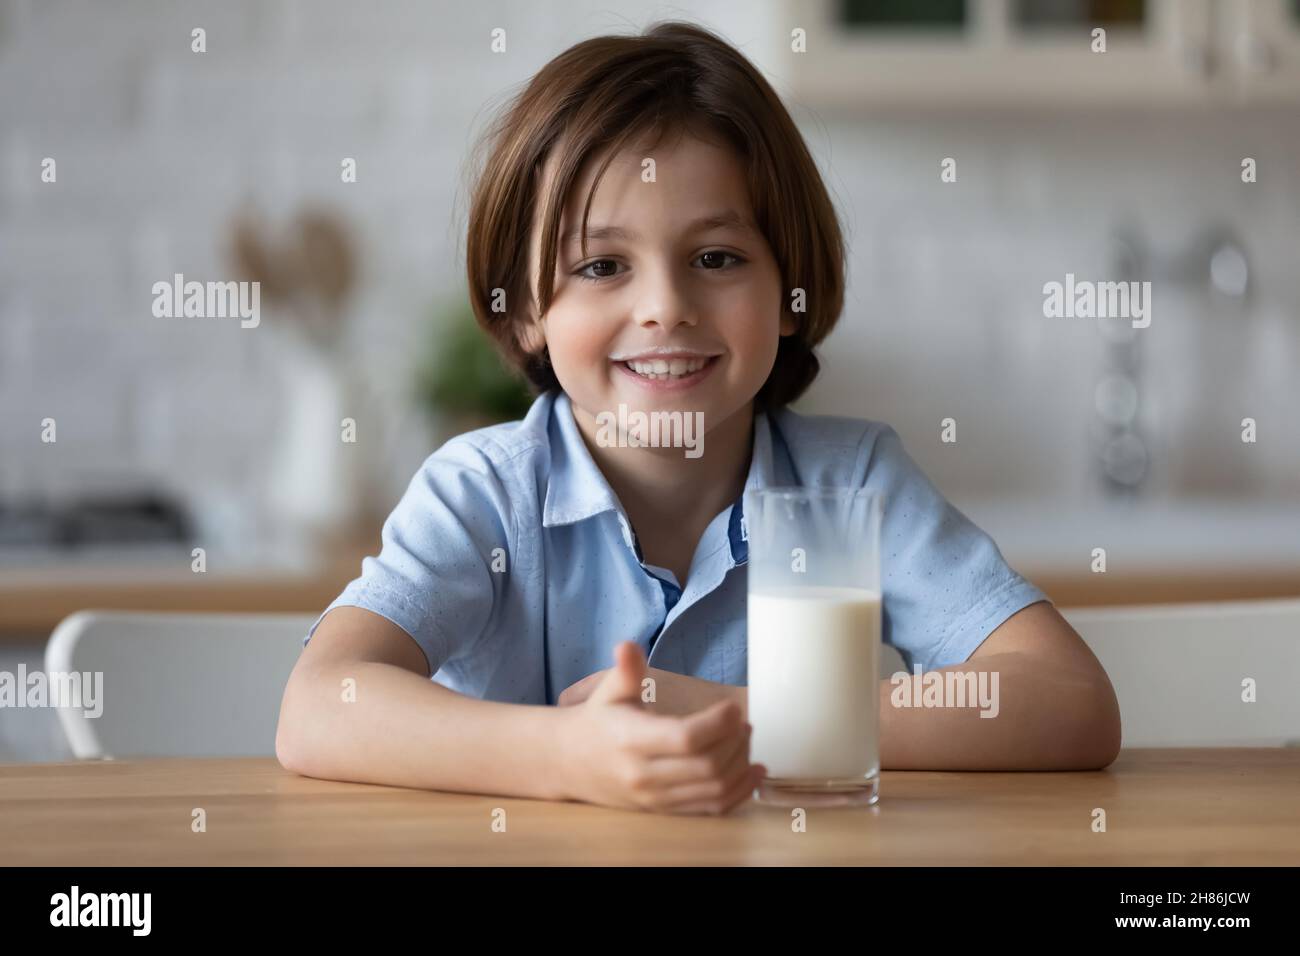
[513,566]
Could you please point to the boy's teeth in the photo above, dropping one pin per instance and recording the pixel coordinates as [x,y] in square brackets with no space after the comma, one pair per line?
[661,368]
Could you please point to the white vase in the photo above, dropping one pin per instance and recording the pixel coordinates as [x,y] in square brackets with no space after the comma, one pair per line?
[314,480]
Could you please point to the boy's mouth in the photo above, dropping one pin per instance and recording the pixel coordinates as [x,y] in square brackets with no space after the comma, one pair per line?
[676,372]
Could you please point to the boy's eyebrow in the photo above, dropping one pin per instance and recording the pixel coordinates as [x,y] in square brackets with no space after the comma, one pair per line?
[726,219]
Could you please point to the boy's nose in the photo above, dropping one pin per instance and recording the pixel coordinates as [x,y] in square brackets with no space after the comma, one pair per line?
[661,301]
[667,319]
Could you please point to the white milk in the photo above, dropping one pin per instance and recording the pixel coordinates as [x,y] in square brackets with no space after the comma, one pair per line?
[814,657]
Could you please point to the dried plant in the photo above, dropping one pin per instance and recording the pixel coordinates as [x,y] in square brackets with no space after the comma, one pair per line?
[308,269]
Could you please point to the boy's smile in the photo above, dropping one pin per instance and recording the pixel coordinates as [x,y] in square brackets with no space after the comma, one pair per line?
[673,371]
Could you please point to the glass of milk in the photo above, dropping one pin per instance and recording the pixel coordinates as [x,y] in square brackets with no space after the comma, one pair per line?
[814,643]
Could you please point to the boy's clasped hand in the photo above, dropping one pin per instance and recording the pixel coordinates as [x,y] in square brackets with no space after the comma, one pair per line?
[684,750]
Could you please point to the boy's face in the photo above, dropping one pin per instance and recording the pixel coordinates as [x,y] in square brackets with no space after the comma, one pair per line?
[713,290]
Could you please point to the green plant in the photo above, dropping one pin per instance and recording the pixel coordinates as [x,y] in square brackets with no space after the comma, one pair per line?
[463,374]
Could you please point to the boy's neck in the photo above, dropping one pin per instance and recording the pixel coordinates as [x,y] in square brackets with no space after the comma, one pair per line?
[657,485]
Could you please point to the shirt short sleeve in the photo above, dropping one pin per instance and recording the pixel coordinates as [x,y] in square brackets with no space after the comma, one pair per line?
[945,584]
[434,575]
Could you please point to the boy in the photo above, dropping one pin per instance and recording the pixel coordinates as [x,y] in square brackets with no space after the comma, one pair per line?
[661,240]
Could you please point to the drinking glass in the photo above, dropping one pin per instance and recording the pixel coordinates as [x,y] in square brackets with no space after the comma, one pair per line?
[814,619]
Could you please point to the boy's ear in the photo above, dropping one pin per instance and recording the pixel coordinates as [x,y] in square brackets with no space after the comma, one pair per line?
[532,337]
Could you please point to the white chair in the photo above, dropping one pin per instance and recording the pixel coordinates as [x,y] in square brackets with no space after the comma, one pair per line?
[173,685]
[1178,670]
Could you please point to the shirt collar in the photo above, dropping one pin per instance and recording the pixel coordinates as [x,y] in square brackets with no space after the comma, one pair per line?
[577,488]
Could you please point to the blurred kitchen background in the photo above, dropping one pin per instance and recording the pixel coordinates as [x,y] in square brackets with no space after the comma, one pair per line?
[1072,433]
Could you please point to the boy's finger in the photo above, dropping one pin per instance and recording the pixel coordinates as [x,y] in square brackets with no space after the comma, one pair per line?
[622,682]
[706,727]
[663,735]
[703,791]
[742,790]
[668,771]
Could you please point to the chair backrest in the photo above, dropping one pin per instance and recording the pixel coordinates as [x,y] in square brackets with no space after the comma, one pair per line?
[197,685]
[1182,671]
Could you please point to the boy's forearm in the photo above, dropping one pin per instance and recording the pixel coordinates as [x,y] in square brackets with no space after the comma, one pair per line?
[1043,719]
[404,730]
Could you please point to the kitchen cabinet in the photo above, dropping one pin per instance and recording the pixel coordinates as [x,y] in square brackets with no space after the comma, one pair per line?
[1261,46]
[954,54]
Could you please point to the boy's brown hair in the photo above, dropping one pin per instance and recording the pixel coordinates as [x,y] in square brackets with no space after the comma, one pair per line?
[599,95]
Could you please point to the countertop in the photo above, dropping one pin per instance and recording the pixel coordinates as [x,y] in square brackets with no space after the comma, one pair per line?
[1155,553]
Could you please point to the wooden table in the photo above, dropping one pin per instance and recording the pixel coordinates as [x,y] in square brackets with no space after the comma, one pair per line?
[1164,807]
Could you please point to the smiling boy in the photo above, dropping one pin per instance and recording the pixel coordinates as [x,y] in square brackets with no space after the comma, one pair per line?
[525,557]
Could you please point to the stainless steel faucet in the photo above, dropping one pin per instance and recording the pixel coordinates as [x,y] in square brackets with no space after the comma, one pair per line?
[1214,264]
[1122,449]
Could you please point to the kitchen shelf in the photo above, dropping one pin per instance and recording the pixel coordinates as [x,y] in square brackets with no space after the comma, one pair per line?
[1184,53]
[33,600]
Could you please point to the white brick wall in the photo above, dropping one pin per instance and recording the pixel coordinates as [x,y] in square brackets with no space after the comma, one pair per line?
[156,146]
[944,310]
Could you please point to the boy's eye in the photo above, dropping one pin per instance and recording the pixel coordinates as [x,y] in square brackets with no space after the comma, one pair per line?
[582,273]
[716,256]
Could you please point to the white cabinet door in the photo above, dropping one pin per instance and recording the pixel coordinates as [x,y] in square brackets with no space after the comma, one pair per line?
[1260,40]
[956,53]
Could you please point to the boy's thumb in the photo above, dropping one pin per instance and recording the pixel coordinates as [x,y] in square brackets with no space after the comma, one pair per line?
[623,682]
